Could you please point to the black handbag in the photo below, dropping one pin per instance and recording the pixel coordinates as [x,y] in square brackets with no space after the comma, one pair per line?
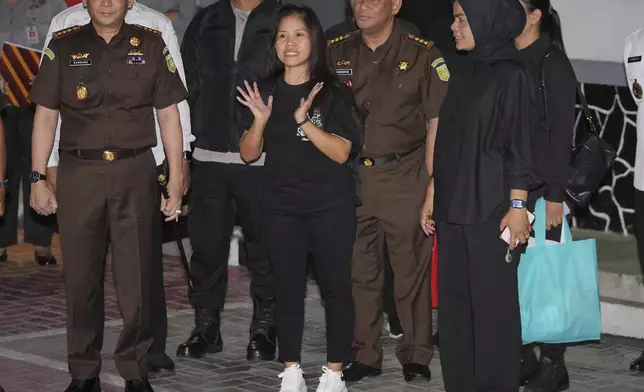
[590,159]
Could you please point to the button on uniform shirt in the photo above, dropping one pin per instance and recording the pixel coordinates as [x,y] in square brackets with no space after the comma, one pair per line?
[106,91]
[141,15]
[634,63]
[399,87]
[25,22]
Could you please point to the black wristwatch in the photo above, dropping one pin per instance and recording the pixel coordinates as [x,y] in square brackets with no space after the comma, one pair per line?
[34,177]
[4,184]
[518,204]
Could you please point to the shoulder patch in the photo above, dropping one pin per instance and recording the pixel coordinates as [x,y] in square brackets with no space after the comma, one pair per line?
[420,41]
[339,39]
[65,32]
[149,30]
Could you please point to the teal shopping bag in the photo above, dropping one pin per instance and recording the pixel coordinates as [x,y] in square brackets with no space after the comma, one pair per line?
[559,287]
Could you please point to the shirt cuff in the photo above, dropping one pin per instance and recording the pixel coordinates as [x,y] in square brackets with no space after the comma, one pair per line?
[555,194]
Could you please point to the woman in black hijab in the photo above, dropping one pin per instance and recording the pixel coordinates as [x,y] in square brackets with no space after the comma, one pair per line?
[483,171]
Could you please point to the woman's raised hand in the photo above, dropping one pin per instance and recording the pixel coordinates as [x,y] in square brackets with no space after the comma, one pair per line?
[252,99]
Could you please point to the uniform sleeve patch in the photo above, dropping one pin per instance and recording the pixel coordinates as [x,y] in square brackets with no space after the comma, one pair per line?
[443,72]
[50,54]
[170,63]
[438,61]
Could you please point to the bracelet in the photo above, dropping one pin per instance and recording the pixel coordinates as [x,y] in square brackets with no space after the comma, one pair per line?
[303,122]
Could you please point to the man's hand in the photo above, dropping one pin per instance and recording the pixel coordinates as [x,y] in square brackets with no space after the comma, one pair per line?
[43,199]
[426,222]
[554,214]
[3,194]
[171,207]
[52,178]
[517,221]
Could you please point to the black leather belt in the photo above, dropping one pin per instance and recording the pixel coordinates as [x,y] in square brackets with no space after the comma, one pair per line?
[381,160]
[108,155]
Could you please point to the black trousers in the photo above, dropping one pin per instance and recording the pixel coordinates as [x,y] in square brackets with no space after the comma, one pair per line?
[330,235]
[479,323]
[39,229]
[215,187]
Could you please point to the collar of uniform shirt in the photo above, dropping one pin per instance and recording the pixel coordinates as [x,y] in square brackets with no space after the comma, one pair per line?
[116,39]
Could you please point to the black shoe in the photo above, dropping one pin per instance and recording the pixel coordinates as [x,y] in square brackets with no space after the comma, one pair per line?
[415,370]
[638,364]
[263,334]
[90,385]
[356,371]
[553,377]
[45,260]
[138,385]
[159,363]
[529,365]
[395,329]
[205,338]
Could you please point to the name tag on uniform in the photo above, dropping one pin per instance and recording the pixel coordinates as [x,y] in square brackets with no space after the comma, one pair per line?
[32,35]
[344,71]
[135,60]
[634,59]
[80,63]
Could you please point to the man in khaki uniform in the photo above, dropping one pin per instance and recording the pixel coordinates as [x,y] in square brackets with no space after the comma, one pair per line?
[105,78]
[399,81]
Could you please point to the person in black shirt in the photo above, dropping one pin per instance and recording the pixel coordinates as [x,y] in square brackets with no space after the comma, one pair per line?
[542,50]
[307,124]
[482,174]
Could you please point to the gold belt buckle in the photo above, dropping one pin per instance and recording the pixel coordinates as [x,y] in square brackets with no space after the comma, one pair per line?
[367,162]
[109,155]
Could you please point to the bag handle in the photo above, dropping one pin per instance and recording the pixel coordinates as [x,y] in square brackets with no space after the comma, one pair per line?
[540,225]
[582,98]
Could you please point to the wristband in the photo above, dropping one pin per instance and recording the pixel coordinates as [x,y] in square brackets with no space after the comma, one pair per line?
[303,122]
[519,204]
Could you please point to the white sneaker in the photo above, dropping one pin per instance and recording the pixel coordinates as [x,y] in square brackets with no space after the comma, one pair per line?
[292,379]
[331,381]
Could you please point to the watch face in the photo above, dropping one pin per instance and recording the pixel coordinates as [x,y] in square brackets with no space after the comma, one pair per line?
[34,177]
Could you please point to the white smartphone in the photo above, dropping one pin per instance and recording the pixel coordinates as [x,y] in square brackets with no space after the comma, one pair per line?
[505,236]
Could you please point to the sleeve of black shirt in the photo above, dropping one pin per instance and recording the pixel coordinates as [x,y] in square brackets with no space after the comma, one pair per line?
[517,123]
[343,121]
[561,93]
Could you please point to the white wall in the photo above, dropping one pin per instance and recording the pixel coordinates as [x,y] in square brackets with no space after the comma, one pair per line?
[595,29]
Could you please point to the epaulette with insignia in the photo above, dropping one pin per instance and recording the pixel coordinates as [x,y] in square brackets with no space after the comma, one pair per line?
[149,30]
[339,39]
[64,32]
[420,41]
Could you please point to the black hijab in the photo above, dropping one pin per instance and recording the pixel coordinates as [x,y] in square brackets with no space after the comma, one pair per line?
[495,24]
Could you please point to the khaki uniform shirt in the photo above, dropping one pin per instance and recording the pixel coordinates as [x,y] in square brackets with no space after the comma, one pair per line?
[399,86]
[106,92]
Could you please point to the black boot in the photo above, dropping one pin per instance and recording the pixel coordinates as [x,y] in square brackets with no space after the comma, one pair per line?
[138,385]
[205,338]
[90,385]
[529,365]
[638,364]
[553,377]
[262,344]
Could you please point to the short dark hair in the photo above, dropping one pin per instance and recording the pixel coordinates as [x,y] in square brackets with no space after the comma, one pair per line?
[319,70]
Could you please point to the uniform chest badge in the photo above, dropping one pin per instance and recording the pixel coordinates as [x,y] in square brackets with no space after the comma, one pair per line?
[135,41]
[80,60]
[403,66]
[637,90]
[81,92]
[135,57]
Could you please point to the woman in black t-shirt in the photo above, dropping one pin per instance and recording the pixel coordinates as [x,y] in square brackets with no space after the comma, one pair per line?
[307,124]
